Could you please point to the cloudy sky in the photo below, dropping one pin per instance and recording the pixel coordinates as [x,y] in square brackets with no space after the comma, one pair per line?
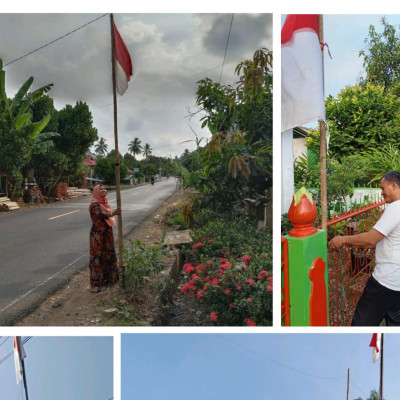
[170,52]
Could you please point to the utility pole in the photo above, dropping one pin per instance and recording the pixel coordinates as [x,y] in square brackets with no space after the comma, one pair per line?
[381,370]
[348,383]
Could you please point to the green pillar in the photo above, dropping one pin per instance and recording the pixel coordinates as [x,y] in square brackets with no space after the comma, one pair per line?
[302,254]
[308,267]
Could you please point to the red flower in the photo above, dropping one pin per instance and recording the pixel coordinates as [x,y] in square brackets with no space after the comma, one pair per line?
[227,291]
[224,267]
[239,286]
[192,293]
[210,241]
[197,245]
[249,322]
[249,299]
[185,288]
[209,262]
[188,267]
[269,287]
[246,259]
[250,281]
[200,268]
[213,316]
[231,305]
[245,244]
[215,282]
[223,260]
[199,294]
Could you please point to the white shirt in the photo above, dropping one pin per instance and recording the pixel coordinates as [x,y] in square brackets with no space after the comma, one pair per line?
[387,254]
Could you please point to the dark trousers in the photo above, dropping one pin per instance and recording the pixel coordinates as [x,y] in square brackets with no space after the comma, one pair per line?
[376,303]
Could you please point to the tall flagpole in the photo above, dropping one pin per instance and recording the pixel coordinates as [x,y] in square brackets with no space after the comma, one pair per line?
[117,166]
[322,140]
[381,370]
[24,379]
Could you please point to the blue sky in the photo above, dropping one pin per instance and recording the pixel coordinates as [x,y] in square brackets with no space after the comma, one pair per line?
[254,366]
[62,368]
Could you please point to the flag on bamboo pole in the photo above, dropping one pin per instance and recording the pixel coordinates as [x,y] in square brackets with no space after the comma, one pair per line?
[376,346]
[19,355]
[302,94]
[123,63]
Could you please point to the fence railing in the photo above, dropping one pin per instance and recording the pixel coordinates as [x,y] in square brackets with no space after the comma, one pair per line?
[349,269]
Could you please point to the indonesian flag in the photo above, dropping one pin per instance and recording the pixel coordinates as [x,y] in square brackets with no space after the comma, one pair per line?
[376,346]
[302,92]
[123,63]
[19,354]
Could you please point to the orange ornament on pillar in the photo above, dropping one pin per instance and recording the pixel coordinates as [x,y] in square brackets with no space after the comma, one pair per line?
[302,214]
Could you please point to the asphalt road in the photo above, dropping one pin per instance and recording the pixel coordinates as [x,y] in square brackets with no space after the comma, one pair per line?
[42,247]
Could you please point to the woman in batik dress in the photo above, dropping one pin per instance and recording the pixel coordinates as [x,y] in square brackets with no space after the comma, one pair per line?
[103,260]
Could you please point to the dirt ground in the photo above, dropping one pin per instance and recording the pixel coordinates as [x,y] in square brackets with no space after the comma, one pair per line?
[75,305]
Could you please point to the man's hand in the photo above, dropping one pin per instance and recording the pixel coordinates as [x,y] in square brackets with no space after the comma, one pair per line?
[337,242]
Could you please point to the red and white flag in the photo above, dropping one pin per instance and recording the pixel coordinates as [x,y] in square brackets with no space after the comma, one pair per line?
[19,354]
[123,63]
[302,94]
[376,346]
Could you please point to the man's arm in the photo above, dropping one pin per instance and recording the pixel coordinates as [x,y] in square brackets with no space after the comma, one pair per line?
[367,240]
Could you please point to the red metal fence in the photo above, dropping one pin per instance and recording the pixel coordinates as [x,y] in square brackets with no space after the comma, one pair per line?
[348,269]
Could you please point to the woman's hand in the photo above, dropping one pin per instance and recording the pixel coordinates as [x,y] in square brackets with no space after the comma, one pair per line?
[117,211]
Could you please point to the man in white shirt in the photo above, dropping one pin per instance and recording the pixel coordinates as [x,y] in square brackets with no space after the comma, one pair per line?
[381,296]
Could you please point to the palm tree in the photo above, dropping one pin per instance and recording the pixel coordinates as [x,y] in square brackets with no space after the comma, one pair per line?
[135,147]
[101,147]
[147,150]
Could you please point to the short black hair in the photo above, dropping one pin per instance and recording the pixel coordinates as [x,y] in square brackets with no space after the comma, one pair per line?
[392,176]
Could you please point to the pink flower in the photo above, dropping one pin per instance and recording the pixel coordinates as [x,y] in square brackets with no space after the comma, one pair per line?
[213,316]
[227,291]
[250,281]
[239,286]
[263,274]
[249,322]
[246,259]
[269,287]
[250,300]
[197,245]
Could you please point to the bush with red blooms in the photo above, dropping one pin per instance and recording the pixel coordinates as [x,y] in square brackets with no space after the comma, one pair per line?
[232,282]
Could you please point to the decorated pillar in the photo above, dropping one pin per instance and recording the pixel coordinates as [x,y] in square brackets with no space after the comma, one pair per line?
[308,272]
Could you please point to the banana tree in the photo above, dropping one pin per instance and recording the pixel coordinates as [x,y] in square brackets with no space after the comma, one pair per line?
[18,133]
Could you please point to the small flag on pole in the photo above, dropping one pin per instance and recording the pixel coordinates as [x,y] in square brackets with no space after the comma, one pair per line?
[376,346]
[123,63]
[19,355]
[302,72]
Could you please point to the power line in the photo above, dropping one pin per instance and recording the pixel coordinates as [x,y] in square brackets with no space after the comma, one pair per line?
[23,341]
[55,40]
[281,364]
[226,48]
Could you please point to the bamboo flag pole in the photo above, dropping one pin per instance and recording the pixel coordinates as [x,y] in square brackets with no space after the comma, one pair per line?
[322,142]
[117,166]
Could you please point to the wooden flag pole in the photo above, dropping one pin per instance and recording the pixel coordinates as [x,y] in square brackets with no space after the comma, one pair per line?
[322,141]
[117,166]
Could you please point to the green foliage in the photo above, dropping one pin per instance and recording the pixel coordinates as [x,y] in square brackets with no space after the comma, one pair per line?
[361,118]
[382,56]
[382,160]
[237,160]
[18,130]
[105,168]
[101,147]
[141,262]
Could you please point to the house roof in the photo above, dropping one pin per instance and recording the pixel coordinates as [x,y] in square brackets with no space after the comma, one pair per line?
[89,160]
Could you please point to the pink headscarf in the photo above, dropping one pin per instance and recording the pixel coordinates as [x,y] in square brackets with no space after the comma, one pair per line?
[104,204]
